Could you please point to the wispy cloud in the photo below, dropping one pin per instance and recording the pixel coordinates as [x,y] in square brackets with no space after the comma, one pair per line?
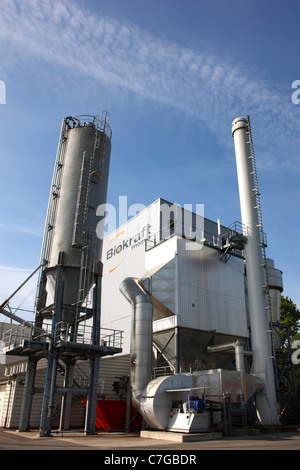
[116,54]
[20,229]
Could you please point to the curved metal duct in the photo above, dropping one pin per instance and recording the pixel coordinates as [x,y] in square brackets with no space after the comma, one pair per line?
[238,347]
[149,397]
[141,336]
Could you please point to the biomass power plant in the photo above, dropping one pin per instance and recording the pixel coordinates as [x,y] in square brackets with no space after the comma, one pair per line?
[170,322]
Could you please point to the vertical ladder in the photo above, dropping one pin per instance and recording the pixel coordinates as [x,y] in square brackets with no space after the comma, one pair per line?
[87,267]
[262,243]
[92,166]
[82,203]
[99,145]
[52,208]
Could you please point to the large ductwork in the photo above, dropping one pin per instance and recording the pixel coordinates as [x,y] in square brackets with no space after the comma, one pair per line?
[152,398]
[141,336]
[266,404]
[155,398]
[238,347]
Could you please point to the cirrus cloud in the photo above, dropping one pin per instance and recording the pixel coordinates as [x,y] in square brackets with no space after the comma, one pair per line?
[116,54]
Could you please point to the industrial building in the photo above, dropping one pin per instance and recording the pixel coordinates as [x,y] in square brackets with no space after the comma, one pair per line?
[172,318]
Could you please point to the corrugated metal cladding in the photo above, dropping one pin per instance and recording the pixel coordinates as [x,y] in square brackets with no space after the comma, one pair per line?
[163,285]
[206,293]
[210,292]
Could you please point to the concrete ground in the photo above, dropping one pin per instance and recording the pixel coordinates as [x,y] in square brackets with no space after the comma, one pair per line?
[118,443]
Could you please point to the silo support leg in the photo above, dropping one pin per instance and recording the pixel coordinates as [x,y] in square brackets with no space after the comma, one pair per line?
[24,423]
[91,406]
[67,399]
[49,392]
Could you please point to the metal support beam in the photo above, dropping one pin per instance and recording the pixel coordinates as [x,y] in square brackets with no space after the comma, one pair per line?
[47,410]
[24,423]
[91,410]
[91,406]
[67,398]
[177,351]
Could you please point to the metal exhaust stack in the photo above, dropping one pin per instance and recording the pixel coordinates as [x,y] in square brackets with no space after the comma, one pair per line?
[266,403]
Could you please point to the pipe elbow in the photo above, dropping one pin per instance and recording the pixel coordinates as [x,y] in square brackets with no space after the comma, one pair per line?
[134,292]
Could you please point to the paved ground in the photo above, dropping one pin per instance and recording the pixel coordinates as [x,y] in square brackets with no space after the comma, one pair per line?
[125,443]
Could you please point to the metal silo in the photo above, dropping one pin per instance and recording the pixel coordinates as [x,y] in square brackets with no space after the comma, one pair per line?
[71,268]
[79,186]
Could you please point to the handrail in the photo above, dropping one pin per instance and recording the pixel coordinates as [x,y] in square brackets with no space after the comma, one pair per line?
[15,336]
[83,334]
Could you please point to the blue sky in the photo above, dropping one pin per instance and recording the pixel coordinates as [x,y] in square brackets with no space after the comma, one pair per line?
[173,74]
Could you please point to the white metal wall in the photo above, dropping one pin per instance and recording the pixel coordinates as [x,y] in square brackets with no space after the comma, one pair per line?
[124,256]
[211,292]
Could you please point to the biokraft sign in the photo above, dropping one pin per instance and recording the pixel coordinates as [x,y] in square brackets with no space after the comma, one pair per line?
[117,248]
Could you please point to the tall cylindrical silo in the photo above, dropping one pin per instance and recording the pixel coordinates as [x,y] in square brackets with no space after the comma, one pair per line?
[79,186]
[266,403]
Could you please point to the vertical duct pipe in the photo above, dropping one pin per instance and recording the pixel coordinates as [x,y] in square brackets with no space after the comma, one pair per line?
[275,289]
[266,404]
[141,337]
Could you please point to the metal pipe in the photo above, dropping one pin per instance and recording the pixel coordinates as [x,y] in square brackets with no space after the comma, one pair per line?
[14,317]
[238,347]
[239,356]
[266,404]
[18,288]
[141,336]
[29,324]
